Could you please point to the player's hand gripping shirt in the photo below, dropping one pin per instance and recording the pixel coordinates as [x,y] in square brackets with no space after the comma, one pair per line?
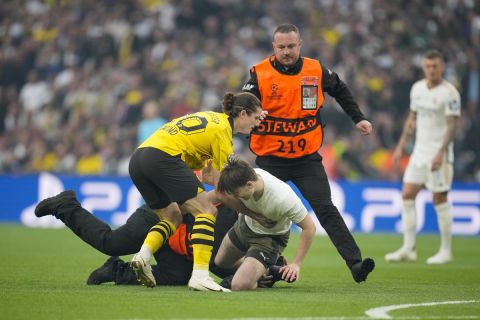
[196,138]
[278,202]
[432,107]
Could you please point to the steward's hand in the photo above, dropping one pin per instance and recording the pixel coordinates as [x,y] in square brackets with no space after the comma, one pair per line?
[365,127]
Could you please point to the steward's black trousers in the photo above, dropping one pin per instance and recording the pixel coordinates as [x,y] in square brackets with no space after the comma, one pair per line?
[308,174]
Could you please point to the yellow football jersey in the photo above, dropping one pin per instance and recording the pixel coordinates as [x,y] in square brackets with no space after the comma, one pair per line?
[197,137]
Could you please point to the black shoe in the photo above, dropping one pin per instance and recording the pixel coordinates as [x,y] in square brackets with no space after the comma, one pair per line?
[281,261]
[360,270]
[274,270]
[106,273]
[51,205]
[227,282]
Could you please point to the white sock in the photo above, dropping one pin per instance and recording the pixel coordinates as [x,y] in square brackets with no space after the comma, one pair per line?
[444,218]
[409,221]
[145,253]
[201,273]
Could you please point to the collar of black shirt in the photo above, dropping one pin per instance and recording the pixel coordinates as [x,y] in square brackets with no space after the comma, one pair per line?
[290,70]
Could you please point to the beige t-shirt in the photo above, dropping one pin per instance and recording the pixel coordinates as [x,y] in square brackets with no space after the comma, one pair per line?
[278,202]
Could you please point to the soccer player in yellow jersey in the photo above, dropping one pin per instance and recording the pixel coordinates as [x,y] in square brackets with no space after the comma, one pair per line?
[162,170]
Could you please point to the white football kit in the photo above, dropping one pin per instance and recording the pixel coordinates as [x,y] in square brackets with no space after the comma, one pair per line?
[432,107]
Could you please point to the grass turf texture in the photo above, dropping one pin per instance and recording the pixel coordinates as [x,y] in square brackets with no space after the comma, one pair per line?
[43,274]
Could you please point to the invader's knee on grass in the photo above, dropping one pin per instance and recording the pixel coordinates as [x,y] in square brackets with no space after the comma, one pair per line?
[243,284]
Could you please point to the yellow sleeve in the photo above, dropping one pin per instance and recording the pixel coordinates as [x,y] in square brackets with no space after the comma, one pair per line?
[193,163]
[222,148]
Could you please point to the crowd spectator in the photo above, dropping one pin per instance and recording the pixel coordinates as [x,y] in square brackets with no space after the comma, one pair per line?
[151,121]
[77,76]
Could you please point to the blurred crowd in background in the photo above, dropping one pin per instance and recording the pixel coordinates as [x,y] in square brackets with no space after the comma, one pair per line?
[82,82]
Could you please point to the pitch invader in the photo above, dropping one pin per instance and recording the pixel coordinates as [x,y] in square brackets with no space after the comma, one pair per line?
[434,114]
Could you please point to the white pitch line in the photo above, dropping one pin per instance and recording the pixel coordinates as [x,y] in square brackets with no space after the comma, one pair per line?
[323,318]
[382,312]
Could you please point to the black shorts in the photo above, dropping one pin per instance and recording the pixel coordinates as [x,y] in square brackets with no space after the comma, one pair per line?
[162,178]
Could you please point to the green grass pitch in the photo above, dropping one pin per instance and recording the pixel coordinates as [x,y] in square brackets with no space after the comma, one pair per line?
[43,274]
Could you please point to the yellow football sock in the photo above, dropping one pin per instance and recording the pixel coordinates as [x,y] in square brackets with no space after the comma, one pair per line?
[202,240]
[158,234]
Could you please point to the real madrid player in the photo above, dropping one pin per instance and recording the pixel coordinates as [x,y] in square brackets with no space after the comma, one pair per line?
[434,113]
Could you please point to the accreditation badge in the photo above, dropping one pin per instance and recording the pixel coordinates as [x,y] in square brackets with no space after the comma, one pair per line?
[309,93]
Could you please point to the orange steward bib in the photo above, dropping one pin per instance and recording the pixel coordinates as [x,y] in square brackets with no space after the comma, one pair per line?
[292,128]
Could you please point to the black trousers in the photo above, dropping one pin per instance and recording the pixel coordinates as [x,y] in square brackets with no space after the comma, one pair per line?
[308,174]
[171,268]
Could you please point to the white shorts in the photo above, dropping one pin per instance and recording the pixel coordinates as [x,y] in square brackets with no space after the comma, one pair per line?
[436,181]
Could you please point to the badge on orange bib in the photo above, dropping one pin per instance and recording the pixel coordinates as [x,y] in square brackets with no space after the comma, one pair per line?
[309,93]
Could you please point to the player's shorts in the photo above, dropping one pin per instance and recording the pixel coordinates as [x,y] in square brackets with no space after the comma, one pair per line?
[162,178]
[436,181]
[262,247]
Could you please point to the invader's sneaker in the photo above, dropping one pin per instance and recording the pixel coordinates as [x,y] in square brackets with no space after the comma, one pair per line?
[274,270]
[401,254]
[361,269]
[143,271]
[51,205]
[227,282]
[440,258]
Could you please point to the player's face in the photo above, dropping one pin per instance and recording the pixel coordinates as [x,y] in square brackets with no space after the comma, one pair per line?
[245,122]
[286,47]
[433,70]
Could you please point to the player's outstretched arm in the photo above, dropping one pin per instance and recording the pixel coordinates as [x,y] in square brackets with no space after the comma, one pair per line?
[291,271]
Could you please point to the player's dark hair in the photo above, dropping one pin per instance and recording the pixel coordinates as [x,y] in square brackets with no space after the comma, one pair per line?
[286,28]
[433,54]
[234,103]
[234,175]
